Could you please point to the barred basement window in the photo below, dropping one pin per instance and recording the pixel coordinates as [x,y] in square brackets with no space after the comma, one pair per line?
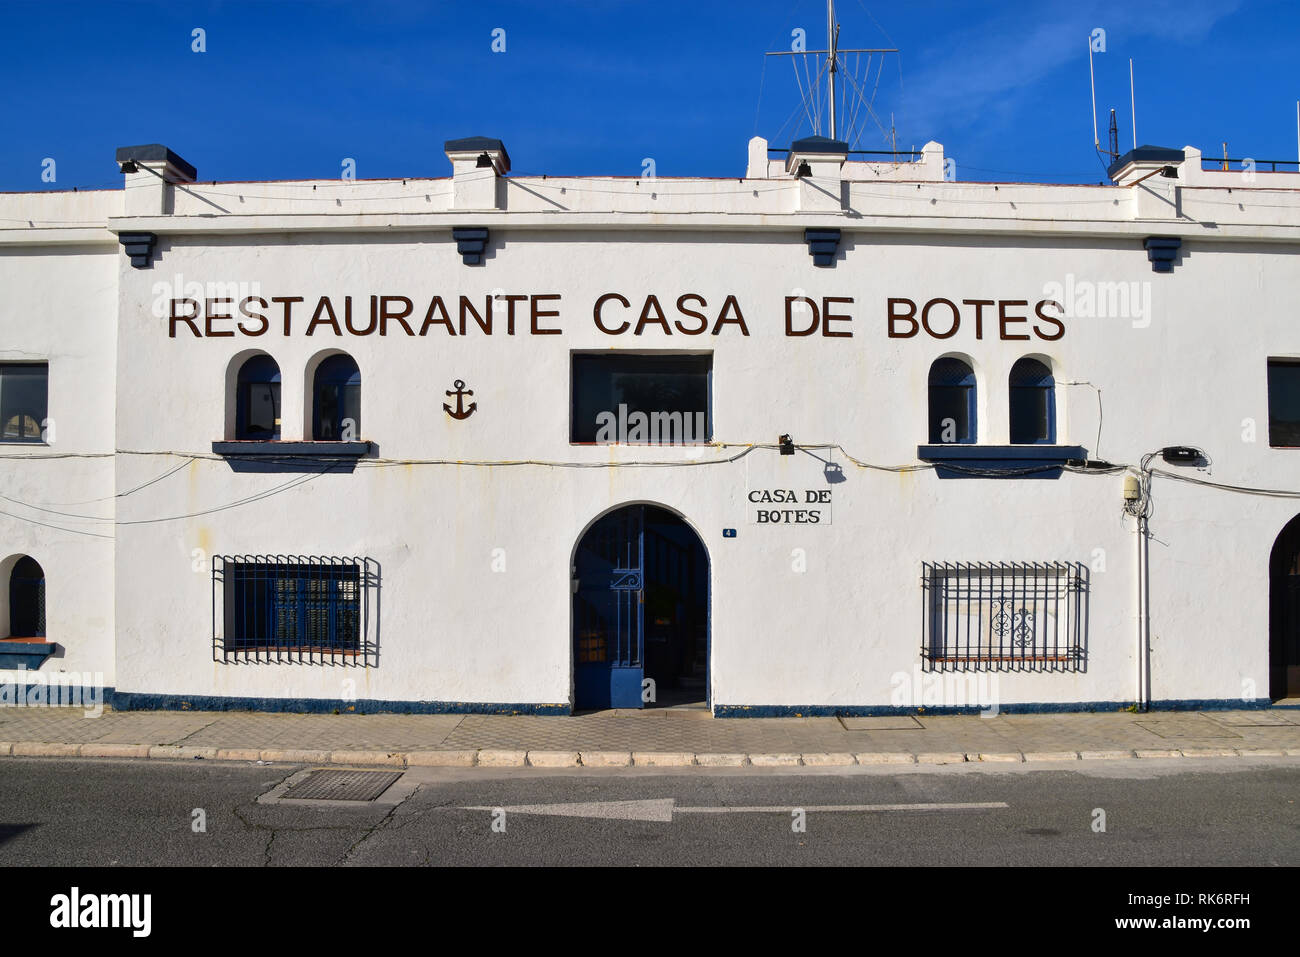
[1014,616]
[286,609]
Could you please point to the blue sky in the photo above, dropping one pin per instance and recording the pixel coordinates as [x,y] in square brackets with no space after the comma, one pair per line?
[288,90]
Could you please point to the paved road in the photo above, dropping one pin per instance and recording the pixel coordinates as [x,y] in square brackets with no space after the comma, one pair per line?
[60,812]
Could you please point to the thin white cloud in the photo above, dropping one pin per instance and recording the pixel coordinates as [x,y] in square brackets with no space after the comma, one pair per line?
[977,75]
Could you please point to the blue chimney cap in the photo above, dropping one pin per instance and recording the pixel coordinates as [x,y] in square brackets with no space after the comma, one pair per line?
[1160,155]
[819,144]
[155,153]
[479,144]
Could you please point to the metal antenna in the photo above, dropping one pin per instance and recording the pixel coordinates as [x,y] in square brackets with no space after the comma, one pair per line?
[832,54]
[832,35]
[1132,103]
[1092,81]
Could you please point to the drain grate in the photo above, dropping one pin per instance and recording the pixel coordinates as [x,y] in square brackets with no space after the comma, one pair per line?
[342,785]
[1250,719]
[899,722]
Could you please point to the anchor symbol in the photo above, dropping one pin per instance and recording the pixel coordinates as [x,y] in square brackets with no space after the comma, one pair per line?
[460,412]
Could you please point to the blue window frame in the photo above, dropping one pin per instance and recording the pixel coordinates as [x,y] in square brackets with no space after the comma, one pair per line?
[337,394]
[27,599]
[294,607]
[1033,403]
[24,388]
[257,400]
[952,402]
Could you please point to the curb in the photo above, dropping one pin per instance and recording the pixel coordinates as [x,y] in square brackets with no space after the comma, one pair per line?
[502,758]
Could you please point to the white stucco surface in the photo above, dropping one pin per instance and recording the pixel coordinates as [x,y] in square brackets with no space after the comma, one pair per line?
[802,615]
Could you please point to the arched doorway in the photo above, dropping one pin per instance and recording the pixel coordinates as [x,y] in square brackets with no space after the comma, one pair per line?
[27,599]
[640,612]
[1284,614]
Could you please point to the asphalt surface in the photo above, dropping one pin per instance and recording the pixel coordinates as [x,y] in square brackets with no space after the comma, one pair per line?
[107,812]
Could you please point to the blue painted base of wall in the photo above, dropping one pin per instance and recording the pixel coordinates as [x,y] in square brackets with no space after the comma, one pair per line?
[1043,707]
[138,701]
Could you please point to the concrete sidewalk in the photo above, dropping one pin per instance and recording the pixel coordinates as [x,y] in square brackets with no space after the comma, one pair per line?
[668,737]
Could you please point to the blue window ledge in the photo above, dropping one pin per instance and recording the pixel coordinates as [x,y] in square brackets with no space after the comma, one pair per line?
[277,456]
[999,461]
[24,655]
[262,447]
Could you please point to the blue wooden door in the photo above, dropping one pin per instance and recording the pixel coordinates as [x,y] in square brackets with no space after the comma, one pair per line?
[609,612]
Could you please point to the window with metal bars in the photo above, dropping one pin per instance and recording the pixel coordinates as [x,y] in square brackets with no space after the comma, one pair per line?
[1014,616]
[293,609]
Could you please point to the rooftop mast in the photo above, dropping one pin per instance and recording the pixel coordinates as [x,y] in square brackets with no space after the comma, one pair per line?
[832,67]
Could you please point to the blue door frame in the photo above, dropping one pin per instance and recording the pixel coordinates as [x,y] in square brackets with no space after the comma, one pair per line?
[609,612]
[613,568]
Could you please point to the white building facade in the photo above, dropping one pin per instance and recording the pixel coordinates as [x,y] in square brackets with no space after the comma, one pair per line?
[835,437]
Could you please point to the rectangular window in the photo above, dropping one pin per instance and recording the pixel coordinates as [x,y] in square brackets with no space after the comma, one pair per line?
[292,609]
[1284,403]
[641,399]
[23,400]
[1004,617]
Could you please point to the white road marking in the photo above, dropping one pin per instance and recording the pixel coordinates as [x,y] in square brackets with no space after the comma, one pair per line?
[663,809]
[823,808]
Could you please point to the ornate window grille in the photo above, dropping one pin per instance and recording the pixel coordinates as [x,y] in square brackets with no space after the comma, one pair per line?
[294,609]
[1013,616]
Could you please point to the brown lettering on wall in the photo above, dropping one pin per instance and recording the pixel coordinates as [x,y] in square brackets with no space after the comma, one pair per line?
[956,318]
[1060,326]
[347,317]
[894,316]
[288,302]
[510,311]
[261,317]
[385,313]
[1003,318]
[173,318]
[790,330]
[209,314]
[322,307]
[730,305]
[979,305]
[535,314]
[484,321]
[651,312]
[703,319]
[600,323]
[828,317]
[436,306]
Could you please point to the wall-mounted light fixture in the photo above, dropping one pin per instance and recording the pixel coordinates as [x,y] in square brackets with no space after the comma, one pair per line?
[129,166]
[803,170]
[484,161]
[787,445]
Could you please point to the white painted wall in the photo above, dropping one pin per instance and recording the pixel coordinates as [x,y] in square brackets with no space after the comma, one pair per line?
[1189,371]
[59,306]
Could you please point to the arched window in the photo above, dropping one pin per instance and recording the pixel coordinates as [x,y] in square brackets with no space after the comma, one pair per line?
[952,402]
[257,401]
[337,408]
[27,599]
[1033,403]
